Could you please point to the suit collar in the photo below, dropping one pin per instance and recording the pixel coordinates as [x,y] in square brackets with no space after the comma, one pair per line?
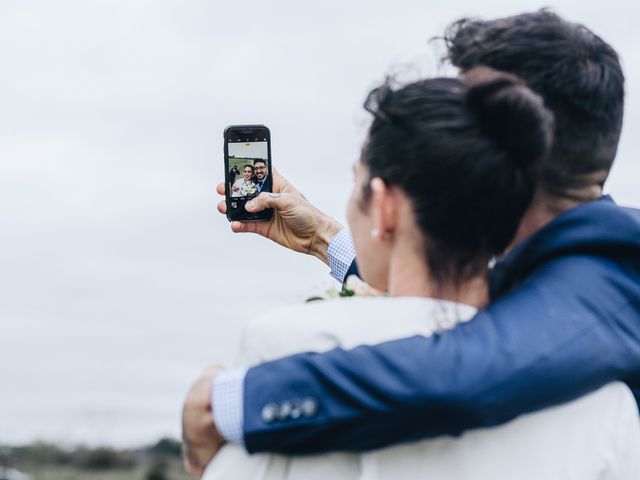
[599,227]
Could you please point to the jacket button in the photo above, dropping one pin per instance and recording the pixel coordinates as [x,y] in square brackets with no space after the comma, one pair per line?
[269,412]
[285,410]
[296,410]
[309,407]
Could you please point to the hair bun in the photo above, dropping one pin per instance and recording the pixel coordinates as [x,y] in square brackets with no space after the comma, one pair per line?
[511,114]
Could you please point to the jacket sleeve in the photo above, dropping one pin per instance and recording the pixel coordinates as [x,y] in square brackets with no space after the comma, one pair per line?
[572,327]
[352,270]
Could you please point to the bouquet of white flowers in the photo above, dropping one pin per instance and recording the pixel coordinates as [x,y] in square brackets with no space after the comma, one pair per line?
[247,188]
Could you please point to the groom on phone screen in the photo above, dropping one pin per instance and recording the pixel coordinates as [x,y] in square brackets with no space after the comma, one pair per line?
[261,176]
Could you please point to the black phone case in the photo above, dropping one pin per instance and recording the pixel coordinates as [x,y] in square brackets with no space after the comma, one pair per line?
[246,217]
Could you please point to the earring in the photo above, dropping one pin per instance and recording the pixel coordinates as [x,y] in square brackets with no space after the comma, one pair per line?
[375,233]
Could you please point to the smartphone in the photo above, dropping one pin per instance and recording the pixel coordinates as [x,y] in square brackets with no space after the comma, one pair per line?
[247,165]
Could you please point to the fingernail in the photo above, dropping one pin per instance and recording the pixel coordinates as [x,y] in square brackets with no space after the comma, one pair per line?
[250,204]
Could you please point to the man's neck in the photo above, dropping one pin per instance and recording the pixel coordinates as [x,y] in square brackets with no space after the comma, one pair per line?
[544,208]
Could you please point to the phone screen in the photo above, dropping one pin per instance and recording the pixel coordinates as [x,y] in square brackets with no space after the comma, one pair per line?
[248,169]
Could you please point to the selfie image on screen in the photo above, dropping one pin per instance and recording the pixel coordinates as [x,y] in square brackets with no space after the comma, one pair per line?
[248,171]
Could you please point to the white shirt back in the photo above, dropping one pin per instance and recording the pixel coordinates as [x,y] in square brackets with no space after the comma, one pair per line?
[594,437]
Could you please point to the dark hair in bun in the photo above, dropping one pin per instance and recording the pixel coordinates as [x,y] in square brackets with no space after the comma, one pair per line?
[496,98]
[467,153]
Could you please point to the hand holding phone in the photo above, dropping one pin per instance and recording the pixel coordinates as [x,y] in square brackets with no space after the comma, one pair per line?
[296,224]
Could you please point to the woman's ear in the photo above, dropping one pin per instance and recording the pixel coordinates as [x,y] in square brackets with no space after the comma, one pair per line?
[384,209]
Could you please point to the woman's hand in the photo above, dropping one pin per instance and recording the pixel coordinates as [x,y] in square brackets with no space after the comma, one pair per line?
[201,440]
[296,223]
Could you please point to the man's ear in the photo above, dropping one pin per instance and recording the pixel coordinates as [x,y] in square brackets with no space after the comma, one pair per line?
[383,203]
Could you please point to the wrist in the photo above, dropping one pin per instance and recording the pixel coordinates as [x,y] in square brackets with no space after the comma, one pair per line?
[327,229]
[227,398]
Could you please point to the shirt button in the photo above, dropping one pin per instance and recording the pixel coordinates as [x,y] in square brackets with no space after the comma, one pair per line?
[269,412]
[285,410]
[309,407]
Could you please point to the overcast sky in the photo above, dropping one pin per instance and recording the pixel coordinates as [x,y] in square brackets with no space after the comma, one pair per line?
[117,276]
[248,150]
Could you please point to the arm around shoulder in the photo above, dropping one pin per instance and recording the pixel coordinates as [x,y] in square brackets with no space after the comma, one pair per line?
[531,349]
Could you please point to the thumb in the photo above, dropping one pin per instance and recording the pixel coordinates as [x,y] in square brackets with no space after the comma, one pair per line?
[279,201]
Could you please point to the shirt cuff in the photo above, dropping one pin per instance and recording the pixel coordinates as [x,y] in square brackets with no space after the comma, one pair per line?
[227,394]
[341,254]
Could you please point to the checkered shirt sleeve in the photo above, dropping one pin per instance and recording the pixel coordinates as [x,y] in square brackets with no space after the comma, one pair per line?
[227,394]
[341,254]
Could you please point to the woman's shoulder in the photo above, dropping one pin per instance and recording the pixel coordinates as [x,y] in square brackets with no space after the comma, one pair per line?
[349,322]
[372,308]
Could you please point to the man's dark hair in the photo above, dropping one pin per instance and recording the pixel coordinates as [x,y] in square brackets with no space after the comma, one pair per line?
[576,72]
[259,160]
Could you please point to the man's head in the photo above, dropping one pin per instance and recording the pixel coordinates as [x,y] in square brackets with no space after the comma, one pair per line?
[579,77]
[261,169]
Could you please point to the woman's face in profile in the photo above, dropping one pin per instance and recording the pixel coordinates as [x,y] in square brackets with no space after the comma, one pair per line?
[372,257]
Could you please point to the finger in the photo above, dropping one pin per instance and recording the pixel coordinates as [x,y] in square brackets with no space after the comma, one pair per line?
[192,470]
[261,228]
[188,457]
[220,188]
[271,200]
[285,185]
[222,207]
[277,174]
[192,463]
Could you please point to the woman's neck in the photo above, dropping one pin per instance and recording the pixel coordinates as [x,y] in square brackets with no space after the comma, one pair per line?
[409,276]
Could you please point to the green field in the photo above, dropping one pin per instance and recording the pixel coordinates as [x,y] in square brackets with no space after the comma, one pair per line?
[239,162]
[49,472]
[46,461]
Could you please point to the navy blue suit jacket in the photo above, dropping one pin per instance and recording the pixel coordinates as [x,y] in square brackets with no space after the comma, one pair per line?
[565,320]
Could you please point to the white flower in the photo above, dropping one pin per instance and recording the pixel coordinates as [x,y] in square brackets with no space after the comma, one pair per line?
[247,188]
